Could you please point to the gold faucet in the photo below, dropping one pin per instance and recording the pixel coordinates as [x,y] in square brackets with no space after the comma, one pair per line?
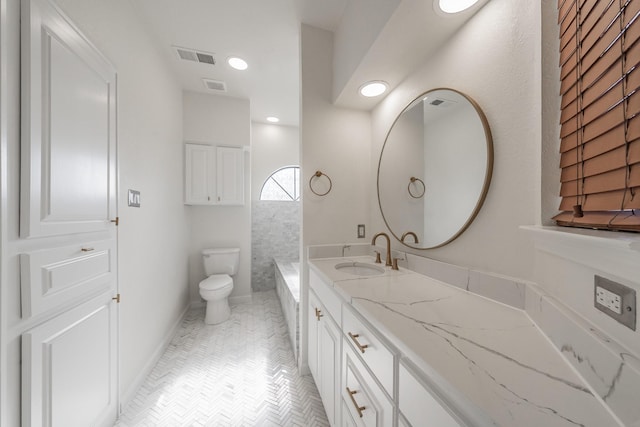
[409,233]
[373,243]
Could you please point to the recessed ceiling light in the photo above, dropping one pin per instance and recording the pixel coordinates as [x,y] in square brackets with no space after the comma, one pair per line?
[272,119]
[237,63]
[453,6]
[374,88]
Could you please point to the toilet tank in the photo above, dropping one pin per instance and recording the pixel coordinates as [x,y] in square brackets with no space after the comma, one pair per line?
[221,261]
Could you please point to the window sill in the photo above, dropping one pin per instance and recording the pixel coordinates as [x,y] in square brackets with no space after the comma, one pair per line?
[617,253]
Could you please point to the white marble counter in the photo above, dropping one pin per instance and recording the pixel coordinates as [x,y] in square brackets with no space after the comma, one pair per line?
[482,355]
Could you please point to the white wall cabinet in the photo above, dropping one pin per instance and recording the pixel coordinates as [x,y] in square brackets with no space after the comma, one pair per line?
[214,175]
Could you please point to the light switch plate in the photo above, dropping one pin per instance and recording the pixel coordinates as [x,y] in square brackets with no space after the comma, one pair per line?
[615,300]
[360,231]
[134,198]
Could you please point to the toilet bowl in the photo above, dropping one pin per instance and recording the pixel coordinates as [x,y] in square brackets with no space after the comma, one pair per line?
[219,264]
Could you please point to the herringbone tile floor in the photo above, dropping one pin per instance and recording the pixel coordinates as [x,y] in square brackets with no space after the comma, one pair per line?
[239,373]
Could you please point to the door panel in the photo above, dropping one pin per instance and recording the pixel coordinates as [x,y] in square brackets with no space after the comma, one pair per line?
[69,366]
[52,277]
[68,128]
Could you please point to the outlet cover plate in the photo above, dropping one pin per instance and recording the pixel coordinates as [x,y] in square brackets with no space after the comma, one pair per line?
[627,297]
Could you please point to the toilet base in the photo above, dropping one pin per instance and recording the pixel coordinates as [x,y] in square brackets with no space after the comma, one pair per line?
[217,311]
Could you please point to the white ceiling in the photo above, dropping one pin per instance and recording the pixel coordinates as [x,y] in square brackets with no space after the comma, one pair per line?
[266,35]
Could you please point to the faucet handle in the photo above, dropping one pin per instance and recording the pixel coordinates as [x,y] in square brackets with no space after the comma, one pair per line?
[394,266]
[378,260]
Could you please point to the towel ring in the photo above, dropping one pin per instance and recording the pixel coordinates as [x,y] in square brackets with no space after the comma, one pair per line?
[412,180]
[318,174]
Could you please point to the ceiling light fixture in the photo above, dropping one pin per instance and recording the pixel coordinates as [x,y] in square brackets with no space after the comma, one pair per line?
[272,119]
[237,63]
[453,6]
[374,88]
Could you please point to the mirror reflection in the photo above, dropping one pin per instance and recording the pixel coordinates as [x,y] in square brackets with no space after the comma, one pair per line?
[434,169]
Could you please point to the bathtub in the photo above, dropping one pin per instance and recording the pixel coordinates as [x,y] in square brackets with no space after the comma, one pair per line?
[287,274]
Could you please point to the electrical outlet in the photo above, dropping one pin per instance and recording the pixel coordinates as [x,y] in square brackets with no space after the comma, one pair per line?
[360,231]
[608,299]
[616,300]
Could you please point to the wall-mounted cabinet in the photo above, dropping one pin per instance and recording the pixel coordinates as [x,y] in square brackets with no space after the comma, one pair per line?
[214,175]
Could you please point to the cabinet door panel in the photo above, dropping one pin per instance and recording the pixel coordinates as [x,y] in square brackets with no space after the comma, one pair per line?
[313,319]
[199,174]
[52,277]
[418,405]
[329,339]
[68,128]
[69,366]
[230,175]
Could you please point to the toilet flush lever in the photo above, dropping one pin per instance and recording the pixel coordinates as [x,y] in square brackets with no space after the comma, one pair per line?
[116,298]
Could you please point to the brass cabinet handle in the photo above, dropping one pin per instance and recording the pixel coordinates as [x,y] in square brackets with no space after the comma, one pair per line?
[318,315]
[354,337]
[86,249]
[355,404]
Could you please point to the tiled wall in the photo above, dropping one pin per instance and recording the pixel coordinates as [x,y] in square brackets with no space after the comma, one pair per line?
[275,233]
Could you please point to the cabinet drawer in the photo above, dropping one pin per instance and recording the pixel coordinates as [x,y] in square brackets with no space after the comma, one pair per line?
[52,277]
[375,354]
[418,404]
[327,295]
[366,403]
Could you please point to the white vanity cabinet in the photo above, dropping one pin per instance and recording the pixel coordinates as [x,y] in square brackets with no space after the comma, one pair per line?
[417,403]
[366,402]
[214,175]
[325,351]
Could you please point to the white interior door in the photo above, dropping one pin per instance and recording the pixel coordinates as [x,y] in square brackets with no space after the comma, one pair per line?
[68,200]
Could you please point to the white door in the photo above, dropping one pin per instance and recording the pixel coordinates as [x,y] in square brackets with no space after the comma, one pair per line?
[68,208]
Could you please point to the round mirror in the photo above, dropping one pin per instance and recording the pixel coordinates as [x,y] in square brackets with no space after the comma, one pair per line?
[435,169]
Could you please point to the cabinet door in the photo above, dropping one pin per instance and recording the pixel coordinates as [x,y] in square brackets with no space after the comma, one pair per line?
[68,135]
[313,319]
[69,368]
[230,175]
[418,404]
[329,339]
[199,171]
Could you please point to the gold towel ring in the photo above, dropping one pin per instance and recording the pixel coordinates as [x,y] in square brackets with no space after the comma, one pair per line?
[412,180]
[318,174]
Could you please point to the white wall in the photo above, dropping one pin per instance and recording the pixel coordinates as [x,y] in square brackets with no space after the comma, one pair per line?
[219,120]
[152,239]
[272,147]
[152,245]
[337,142]
[493,60]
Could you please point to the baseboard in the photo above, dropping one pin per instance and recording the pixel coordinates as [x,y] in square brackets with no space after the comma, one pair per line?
[130,393]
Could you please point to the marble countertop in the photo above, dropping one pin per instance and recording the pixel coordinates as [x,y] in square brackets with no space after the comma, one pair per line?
[489,360]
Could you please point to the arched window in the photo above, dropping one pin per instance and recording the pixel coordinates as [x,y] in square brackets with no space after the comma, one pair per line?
[283,185]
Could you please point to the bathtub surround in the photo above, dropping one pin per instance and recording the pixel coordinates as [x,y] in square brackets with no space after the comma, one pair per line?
[287,278]
[275,234]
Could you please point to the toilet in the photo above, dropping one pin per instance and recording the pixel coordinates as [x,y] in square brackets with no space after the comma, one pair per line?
[219,265]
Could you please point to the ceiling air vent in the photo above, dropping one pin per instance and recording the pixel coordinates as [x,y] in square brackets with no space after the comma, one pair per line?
[216,85]
[195,56]
[439,102]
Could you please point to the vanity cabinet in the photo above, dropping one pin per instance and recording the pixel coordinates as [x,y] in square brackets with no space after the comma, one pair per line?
[366,402]
[417,403]
[362,378]
[214,175]
[324,356]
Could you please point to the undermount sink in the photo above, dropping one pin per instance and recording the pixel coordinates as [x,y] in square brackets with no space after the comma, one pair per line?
[359,269]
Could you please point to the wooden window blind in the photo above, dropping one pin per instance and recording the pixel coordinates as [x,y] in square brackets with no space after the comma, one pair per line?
[600,114]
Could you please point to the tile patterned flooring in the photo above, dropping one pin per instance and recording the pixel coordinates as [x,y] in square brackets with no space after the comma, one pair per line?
[239,373]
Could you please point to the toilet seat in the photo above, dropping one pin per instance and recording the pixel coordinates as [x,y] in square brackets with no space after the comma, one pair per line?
[216,282]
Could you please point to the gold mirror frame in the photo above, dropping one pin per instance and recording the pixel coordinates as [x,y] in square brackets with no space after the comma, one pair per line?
[487,177]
